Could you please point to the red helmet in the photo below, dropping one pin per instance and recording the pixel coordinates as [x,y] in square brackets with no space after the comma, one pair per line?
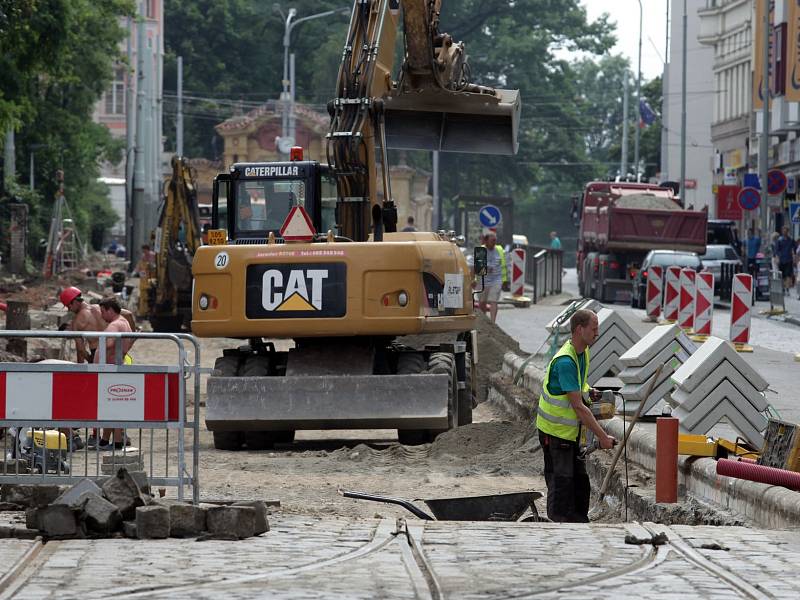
[68,295]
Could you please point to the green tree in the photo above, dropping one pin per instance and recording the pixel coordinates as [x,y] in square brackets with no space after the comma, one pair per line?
[57,60]
[233,61]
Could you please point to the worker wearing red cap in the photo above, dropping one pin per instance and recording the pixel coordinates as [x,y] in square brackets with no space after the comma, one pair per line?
[87,318]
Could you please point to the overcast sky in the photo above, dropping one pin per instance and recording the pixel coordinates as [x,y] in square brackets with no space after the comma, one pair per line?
[626,15]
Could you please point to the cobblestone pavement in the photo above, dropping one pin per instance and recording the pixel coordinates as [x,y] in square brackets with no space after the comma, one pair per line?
[372,558]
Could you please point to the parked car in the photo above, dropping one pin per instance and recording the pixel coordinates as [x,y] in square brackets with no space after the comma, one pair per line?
[716,255]
[660,258]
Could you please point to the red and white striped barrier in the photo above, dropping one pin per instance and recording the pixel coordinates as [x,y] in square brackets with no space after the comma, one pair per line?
[655,285]
[704,303]
[518,272]
[741,303]
[672,293]
[686,309]
[72,396]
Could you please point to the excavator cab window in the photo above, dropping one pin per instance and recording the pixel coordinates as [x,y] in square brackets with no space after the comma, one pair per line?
[262,205]
[328,201]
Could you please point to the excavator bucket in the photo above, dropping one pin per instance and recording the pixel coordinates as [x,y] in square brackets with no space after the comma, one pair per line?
[483,122]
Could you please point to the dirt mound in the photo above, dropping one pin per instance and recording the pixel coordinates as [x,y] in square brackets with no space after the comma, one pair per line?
[493,343]
[481,440]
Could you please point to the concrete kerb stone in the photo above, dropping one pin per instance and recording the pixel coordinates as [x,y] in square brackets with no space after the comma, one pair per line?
[765,505]
[152,522]
[100,515]
[227,522]
[261,523]
[123,491]
[72,497]
[30,494]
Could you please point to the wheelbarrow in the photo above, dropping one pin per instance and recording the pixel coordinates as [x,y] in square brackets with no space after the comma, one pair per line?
[495,507]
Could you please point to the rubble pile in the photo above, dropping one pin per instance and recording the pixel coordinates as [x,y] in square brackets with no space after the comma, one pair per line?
[121,506]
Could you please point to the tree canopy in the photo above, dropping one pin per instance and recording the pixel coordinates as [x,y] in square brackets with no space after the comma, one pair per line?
[56,59]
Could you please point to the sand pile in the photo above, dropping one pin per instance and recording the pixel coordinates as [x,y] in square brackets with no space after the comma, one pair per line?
[493,343]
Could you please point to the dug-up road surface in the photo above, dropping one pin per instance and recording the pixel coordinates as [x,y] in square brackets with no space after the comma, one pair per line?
[490,456]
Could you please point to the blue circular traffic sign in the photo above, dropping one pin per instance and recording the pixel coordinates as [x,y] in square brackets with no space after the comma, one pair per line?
[776,182]
[489,215]
[749,198]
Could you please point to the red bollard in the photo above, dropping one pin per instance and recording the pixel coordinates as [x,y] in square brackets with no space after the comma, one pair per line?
[667,459]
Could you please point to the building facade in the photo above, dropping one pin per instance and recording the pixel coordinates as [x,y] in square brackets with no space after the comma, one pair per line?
[734,30]
[700,96]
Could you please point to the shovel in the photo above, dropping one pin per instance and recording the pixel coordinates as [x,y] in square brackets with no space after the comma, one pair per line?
[599,508]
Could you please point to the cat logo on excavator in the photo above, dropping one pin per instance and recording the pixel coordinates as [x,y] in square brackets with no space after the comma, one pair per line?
[296,290]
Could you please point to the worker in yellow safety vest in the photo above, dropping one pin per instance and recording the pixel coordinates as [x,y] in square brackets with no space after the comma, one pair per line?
[561,412]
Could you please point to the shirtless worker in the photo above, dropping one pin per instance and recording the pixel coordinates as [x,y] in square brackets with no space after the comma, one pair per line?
[87,318]
[110,311]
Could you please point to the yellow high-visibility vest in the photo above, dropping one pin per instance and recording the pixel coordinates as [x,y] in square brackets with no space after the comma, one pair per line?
[555,415]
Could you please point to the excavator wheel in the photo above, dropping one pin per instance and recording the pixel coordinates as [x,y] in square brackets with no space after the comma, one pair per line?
[467,399]
[227,366]
[411,363]
[259,366]
[444,362]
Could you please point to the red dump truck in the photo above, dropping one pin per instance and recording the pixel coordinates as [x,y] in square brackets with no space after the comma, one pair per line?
[620,224]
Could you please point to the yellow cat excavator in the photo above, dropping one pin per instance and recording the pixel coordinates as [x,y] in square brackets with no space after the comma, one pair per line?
[381,320]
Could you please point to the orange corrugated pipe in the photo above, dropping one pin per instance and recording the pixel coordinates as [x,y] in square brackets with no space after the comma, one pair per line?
[759,473]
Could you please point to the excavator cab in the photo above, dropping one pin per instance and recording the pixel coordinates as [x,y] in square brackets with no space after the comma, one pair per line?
[253,200]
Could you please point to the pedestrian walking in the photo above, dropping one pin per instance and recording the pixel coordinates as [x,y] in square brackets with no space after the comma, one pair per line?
[784,249]
[496,278]
[555,243]
[561,412]
[753,248]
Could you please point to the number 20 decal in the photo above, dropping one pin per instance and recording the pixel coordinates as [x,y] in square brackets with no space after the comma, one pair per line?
[221,261]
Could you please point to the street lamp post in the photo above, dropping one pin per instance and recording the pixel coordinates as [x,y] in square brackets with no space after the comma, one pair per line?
[287,96]
[638,97]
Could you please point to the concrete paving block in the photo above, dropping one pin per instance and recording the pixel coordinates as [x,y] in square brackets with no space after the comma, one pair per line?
[100,515]
[607,318]
[111,469]
[129,529]
[724,392]
[734,418]
[72,497]
[32,518]
[631,374]
[30,494]
[13,466]
[652,402]
[59,521]
[637,391]
[261,521]
[152,522]
[711,354]
[122,458]
[123,491]
[650,345]
[186,520]
[602,349]
[610,364]
[725,371]
[561,321]
[238,521]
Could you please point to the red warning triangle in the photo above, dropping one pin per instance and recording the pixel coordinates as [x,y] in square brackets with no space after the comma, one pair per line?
[702,304]
[516,272]
[652,292]
[746,280]
[686,297]
[739,308]
[297,227]
[671,293]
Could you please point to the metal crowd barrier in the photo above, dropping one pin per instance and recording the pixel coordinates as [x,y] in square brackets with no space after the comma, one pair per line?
[725,283]
[776,292]
[52,396]
[544,271]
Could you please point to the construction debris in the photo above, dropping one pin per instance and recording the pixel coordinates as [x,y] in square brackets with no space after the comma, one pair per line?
[119,506]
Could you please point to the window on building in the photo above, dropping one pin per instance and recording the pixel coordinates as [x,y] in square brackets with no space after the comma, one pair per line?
[115,95]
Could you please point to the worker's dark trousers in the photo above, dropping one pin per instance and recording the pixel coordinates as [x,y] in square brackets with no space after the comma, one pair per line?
[568,486]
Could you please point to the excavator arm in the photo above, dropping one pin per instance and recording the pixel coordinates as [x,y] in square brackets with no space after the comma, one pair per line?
[433,106]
